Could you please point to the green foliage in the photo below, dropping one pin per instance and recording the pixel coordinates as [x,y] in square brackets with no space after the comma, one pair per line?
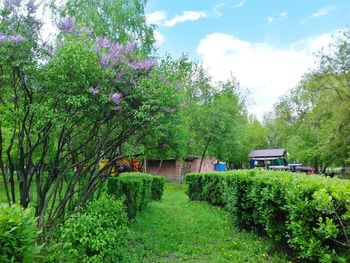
[122,21]
[96,234]
[312,122]
[131,189]
[217,121]
[308,212]
[18,233]
[207,187]
[157,187]
[136,188]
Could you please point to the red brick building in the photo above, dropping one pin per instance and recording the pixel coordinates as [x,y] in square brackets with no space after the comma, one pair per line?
[174,169]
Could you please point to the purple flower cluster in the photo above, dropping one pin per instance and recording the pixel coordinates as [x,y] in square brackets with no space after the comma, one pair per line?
[85,31]
[103,42]
[105,60]
[129,47]
[31,6]
[170,110]
[116,97]
[182,105]
[111,52]
[94,90]
[147,64]
[11,4]
[67,25]
[3,38]
[15,39]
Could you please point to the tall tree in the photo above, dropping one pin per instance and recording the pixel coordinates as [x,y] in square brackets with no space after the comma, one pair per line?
[122,21]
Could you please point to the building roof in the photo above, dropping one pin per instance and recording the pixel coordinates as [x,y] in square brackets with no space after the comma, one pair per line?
[267,153]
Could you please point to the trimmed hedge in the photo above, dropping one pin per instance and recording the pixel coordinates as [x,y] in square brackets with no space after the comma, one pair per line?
[157,187]
[309,212]
[97,233]
[138,189]
[18,233]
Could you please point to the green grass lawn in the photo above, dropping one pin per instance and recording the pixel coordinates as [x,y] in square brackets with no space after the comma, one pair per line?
[176,229]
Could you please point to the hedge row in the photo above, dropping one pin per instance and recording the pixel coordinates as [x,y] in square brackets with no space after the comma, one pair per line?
[309,212]
[138,189]
[97,233]
[18,234]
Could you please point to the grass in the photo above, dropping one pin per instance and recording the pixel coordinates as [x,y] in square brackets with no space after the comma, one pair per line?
[3,198]
[176,229]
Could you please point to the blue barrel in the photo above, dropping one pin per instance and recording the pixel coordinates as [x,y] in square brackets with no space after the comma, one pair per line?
[220,167]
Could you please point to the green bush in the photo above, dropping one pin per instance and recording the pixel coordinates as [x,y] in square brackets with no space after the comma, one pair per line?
[98,233]
[137,189]
[309,212]
[18,234]
[128,188]
[157,187]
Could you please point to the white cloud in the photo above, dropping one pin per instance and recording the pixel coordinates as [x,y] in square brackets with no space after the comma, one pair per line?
[156,18]
[281,16]
[185,16]
[241,3]
[321,12]
[159,38]
[268,71]
[284,14]
[270,19]
[218,9]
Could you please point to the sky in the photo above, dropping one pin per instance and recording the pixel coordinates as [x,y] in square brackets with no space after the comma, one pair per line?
[266,45]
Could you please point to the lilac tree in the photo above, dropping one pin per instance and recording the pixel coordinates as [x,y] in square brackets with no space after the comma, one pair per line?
[19,56]
[62,111]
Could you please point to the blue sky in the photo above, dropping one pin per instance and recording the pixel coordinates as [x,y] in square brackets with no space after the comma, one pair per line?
[266,45]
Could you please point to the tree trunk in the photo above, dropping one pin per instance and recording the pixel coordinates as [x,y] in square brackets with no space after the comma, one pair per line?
[160,166]
[2,168]
[203,154]
[11,167]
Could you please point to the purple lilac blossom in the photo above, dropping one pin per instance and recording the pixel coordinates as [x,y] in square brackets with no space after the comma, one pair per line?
[170,110]
[94,90]
[105,60]
[3,38]
[11,4]
[121,76]
[67,25]
[129,47]
[149,64]
[16,39]
[116,53]
[145,64]
[50,49]
[104,42]
[116,98]
[178,86]
[31,6]
[182,105]
[85,30]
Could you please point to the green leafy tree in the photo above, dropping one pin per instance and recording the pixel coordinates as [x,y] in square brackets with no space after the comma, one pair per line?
[122,21]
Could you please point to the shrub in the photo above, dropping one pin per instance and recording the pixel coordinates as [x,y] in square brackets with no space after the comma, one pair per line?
[309,212]
[18,234]
[128,188]
[97,234]
[157,187]
[137,190]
